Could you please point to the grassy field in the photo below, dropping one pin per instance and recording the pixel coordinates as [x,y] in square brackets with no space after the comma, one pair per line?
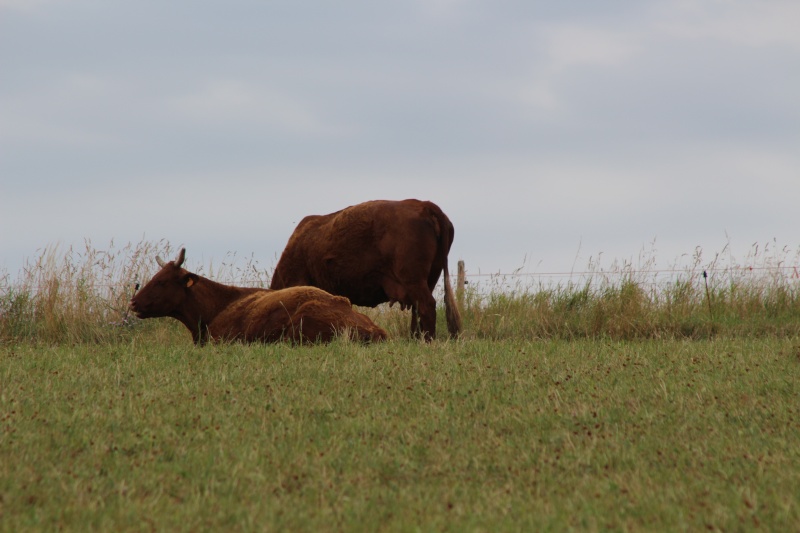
[602,406]
[469,435]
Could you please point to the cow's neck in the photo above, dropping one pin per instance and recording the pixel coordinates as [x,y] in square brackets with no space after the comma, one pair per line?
[207,299]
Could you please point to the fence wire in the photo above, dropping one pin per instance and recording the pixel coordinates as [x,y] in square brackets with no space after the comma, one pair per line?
[653,278]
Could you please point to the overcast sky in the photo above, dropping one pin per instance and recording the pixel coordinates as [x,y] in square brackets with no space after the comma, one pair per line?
[548,131]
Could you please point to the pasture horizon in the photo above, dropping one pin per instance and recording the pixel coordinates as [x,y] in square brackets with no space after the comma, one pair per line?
[769,259]
[79,295]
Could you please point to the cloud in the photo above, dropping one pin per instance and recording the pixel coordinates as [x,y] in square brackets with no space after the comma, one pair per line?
[743,22]
[571,46]
[562,49]
[440,9]
[26,5]
[233,101]
[61,113]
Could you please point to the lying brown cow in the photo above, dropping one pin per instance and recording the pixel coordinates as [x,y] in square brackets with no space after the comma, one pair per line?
[375,252]
[222,313]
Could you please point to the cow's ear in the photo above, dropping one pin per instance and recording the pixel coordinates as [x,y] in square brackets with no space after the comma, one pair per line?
[190,280]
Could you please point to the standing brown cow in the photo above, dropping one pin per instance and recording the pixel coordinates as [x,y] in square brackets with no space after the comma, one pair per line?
[215,311]
[375,252]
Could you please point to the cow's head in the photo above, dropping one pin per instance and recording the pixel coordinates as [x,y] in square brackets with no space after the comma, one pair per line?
[166,293]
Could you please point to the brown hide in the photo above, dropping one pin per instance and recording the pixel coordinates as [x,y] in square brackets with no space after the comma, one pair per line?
[375,252]
[220,312]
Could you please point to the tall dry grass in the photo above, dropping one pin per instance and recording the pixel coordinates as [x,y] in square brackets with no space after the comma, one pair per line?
[81,295]
[76,295]
[695,298]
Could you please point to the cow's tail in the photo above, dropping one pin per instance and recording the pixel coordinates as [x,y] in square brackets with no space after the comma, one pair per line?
[450,306]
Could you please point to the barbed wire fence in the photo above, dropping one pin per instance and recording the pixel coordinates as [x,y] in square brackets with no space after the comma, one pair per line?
[463,278]
[103,281]
[653,280]
[784,270]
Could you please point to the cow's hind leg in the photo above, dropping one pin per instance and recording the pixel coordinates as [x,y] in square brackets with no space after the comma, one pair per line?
[423,316]
[422,304]
[415,329]
[313,322]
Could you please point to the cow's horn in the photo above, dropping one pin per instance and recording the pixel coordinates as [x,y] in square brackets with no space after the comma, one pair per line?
[160,261]
[181,257]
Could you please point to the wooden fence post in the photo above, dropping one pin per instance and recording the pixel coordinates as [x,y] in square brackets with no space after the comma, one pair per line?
[461,280]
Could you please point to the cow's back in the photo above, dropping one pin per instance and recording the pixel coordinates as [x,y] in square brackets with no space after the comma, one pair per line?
[360,250]
[295,313]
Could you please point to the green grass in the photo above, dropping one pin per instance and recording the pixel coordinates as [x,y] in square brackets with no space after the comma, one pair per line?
[610,404]
[454,436]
